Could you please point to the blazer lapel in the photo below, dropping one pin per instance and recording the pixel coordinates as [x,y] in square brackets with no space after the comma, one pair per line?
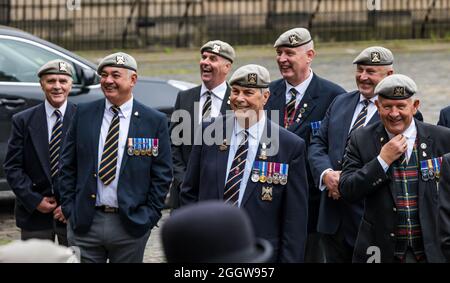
[222,153]
[97,119]
[423,140]
[278,102]
[225,106]
[68,117]
[39,136]
[381,138]
[348,116]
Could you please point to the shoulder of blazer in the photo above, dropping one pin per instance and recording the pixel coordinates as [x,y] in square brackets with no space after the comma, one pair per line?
[438,133]
[346,97]
[327,85]
[189,92]
[26,114]
[445,111]
[276,86]
[146,111]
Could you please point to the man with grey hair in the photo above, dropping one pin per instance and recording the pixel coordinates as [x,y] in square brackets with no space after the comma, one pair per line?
[116,169]
[339,221]
[393,165]
[211,97]
[244,171]
[32,161]
[301,98]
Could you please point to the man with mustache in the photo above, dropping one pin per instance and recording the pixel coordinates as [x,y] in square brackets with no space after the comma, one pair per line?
[116,169]
[301,98]
[393,165]
[256,165]
[339,221]
[206,101]
[32,161]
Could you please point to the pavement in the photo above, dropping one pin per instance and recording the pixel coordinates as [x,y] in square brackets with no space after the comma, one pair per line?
[424,61]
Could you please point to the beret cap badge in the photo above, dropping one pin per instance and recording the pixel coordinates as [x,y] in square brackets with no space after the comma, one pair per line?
[375,57]
[293,39]
[120,60]
[252,78]
[399,91]
[216,48]
[63,67]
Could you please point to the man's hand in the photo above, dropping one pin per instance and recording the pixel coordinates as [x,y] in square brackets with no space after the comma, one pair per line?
[58,215]
[331,181]
[47,205]
[392,150]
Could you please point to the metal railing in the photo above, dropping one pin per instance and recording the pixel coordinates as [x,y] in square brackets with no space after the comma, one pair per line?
[95,24]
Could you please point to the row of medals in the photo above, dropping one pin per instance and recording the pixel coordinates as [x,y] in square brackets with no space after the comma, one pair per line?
[276,179]
[150,151]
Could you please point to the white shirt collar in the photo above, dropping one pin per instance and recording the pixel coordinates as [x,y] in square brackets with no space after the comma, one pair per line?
[125,109]
[218,91]
[255,131]
[49,109]
[301,88]
[362,98]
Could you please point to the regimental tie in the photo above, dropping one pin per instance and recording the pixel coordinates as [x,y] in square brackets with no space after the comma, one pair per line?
[231,190]
[55,144]
[290,107]
[361,119]
[108,164]
[206,111]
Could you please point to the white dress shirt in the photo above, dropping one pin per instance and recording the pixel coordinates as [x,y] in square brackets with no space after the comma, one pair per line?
[218,94]
[107,195]
[301,89]
[255,133]
[51,117]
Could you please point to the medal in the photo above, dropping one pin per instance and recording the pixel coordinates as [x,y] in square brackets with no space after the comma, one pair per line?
[255,172]
[284,173]
[130,147]
[149,147]
[136,147]
[143,146]
[431,173]
[276,174]
[262,177]
[269,174]
[155,147]
[424,170]
[263,154]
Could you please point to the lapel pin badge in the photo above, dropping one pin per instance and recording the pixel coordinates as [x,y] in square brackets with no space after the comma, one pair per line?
[136,114]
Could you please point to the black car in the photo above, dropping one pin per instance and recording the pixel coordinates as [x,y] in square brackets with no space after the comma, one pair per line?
[21,55]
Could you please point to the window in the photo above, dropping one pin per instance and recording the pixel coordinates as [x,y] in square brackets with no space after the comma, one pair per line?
[20,61]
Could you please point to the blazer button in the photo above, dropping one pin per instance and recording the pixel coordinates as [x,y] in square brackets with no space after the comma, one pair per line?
[379,180]
[94,175]
[339,162]
[394,209]
[93,196]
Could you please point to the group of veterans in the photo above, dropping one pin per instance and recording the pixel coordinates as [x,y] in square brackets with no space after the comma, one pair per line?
[320,174]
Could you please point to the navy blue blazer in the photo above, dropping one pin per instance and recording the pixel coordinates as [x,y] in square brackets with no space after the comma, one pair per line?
[444,117]
[282,221]
[27,165]
[318,96]
[143,180]
[327,151]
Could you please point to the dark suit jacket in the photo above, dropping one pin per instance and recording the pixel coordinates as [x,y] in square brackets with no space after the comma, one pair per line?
[444,207]
[364,178]
[143,180]
[180,152]
[326,151]
[318,96]
[282,221]
[444,117]
[27,165]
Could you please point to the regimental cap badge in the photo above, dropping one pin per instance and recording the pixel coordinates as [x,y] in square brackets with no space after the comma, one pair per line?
[293,39]
[375,57]
[252,78]
[120,60]
[216,48]
[399,91]
[63,67]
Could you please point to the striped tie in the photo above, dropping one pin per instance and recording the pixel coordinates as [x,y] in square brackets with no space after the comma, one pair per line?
[231,190]
[107,170]
[290,107]
[55,144]
[206,111]
[361,119]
